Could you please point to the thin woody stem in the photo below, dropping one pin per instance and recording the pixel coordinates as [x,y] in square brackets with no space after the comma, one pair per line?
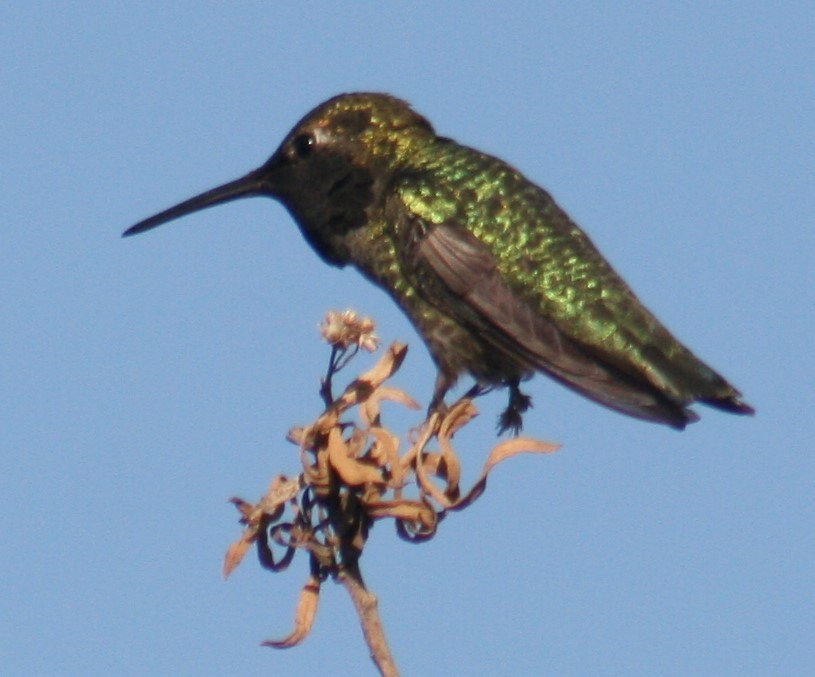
[326,385]
[367,608]
[348,574]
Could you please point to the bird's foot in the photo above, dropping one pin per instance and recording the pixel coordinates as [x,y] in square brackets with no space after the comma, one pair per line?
[512,417]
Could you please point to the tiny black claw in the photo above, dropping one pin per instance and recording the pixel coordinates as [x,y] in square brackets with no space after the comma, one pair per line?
[511,419]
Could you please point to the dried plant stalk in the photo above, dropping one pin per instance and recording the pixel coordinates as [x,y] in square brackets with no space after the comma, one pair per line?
[353,475]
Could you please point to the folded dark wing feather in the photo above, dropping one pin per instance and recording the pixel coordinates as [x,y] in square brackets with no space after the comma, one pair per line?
[467,269]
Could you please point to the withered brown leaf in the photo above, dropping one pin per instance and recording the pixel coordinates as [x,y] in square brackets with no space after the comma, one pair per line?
[303,616]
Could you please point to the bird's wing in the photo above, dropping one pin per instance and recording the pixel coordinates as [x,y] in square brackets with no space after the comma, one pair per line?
[467,270]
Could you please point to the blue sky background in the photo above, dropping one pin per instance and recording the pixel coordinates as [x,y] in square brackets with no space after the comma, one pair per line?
[145,381]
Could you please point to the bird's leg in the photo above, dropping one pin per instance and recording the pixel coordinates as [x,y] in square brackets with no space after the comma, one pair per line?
[512,417]
[443,383]
[478,390]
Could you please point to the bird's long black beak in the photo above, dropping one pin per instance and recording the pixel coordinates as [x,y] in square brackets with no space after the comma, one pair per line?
[255,183]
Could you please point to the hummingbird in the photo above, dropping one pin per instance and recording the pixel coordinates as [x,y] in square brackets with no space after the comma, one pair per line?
[496,278]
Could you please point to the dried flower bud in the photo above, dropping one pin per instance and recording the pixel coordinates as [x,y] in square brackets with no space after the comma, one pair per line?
[347,329]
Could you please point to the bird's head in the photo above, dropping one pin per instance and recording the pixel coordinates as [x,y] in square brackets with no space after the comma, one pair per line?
[329,170]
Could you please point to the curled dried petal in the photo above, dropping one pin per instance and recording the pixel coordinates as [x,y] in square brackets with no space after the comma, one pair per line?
[385,451]
[236,552]
[266,555]
[370,410]
[258,517]
[459,415]
[515,446]
[501,452]
[431,463]
[425,433]
[352,471]
[405,509]
[303,617]
[244,507]
[361,388]
[417,532]
[450,467]
[280,491]
[315,472]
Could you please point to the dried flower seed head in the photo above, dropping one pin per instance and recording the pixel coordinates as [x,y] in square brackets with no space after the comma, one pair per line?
[355,474]
[347,329]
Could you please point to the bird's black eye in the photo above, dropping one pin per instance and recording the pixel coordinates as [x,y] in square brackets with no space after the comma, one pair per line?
[303,145]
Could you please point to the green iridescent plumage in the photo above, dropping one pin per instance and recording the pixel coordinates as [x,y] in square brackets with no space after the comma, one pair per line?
[494,275]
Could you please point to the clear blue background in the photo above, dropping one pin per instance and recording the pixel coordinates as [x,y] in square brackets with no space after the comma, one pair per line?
[144,381]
